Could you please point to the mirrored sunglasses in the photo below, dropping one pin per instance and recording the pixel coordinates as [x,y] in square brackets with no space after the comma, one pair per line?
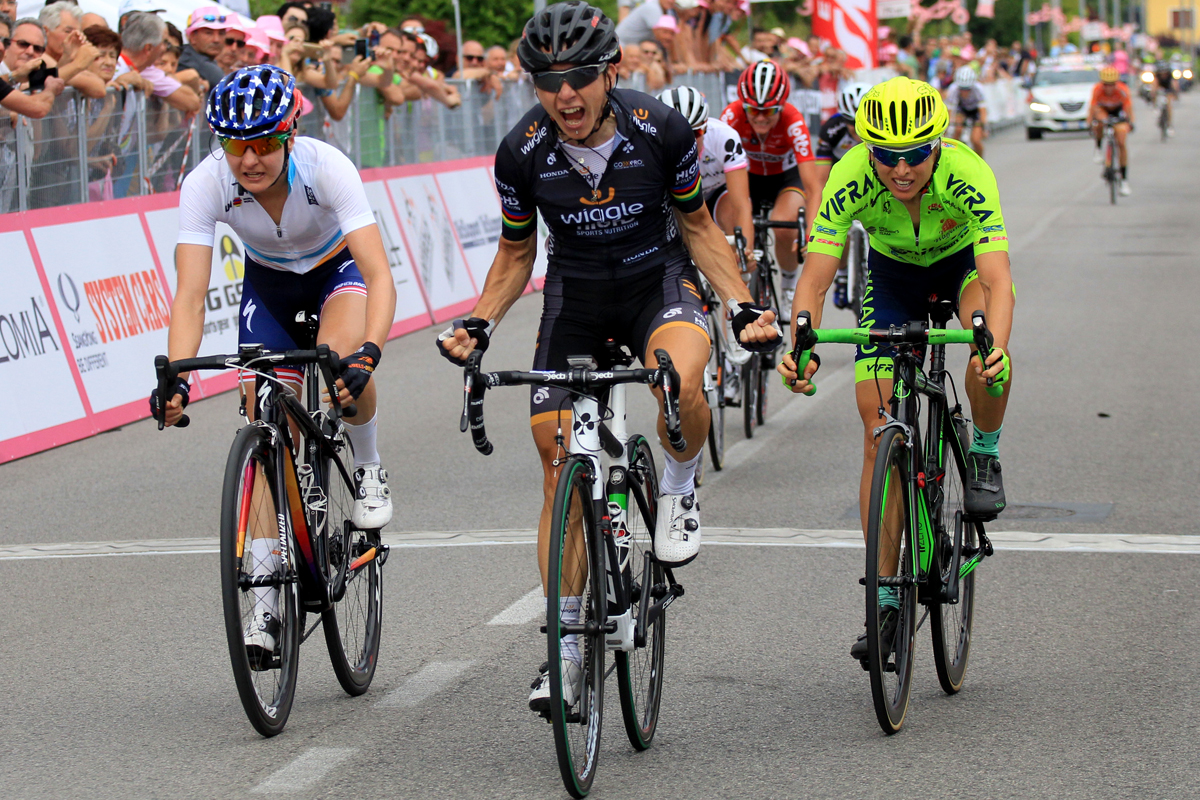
[913,156]
[576,78]
[262,146]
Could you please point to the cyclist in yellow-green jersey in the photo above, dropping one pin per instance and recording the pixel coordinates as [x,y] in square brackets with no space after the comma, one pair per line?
[932,210]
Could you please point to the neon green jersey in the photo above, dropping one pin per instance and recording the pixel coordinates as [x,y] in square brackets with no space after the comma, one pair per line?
[960,208]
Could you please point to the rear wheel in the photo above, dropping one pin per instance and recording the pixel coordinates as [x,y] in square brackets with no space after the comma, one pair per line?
[352,625]
[576,570]
[950,623]
[714,383]
[265,675]
[891,629]
[640,672]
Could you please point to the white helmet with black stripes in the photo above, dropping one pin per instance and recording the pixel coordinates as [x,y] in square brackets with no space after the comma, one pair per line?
[689,102]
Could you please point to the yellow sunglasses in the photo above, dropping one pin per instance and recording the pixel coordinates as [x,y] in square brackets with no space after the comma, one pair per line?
[262,146]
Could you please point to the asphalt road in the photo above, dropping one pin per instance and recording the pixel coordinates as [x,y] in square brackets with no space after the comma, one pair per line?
[116,675]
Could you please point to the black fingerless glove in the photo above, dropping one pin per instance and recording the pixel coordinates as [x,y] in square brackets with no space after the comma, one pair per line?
[158,407]
[357,368]
[747,314]
[478,329]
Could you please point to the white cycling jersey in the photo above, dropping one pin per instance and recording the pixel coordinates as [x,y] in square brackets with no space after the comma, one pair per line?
[326,201]
[721,153]
[968,101]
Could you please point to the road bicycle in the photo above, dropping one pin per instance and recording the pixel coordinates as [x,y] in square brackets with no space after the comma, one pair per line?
[920,541]
[1111,174]
[289,473]
[757,370]
[1164,115]
[601,550]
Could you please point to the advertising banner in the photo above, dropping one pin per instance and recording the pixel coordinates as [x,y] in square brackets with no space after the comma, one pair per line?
[436,255]
[35,364]
[849,25]
[474,209]
[412,306]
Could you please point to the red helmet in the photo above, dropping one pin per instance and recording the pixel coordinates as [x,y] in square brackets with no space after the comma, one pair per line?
[764,85]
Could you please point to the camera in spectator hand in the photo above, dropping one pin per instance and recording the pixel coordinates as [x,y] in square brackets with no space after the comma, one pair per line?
[37,78]
[363,49]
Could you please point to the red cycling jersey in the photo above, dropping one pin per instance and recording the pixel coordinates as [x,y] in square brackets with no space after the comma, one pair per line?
[786,145]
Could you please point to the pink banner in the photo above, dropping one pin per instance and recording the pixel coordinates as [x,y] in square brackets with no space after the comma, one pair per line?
[850,26]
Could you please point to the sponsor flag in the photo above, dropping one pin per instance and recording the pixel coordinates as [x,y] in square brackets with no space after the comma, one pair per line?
[849,25]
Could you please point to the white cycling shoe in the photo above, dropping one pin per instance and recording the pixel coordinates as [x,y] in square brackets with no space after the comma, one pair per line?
[677,536]
[1097,157]
[1125,191]
[373,498]
[261,636]
[572,677]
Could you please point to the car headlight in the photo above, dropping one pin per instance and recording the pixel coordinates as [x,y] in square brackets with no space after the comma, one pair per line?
[1041,108]
[1176,74]
[1147,77]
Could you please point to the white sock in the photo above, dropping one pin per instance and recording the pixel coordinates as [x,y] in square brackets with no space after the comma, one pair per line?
[265,555]
[679,477]
[787,280]
[363,439]
[568,611]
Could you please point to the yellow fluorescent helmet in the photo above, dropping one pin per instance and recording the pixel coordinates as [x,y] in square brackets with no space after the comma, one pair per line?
[901,113]
[1109,75]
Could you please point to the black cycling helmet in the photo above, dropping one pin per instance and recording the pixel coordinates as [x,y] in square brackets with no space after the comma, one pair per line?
[568,33]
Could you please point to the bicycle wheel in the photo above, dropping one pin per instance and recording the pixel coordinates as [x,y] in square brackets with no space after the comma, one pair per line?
[950,624]
[1110,173]
[576,571]
[858,290]
[266,681]
[751,384]
[352,624]
[640,672]
[715,386]
[890,660]
[767,298]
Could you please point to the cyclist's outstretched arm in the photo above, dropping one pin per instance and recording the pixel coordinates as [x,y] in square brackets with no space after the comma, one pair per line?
[366,246]
[995,277]
[193,263]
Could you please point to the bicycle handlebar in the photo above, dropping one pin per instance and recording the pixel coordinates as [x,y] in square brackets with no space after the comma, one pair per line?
[910,333]
[579,379]
[328,361]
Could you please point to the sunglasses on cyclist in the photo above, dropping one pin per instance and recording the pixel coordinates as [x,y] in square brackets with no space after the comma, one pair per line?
[913,156]
[263,146]
[22,44]
[577,78]
[763,112]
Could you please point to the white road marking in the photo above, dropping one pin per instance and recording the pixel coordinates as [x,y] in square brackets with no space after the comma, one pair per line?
[527,609]
[789,537]
[431,679]
[307,768]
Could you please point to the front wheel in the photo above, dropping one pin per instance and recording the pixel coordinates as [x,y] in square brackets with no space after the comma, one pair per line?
[891,613]
[352,624]
[714,382]
[751,384]
[575,580]
[950,623]
[640,672]
[259,593]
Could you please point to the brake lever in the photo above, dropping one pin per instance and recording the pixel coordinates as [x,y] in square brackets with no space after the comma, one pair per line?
[983,348]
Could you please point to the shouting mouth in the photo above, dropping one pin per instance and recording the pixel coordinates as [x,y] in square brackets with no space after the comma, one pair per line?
[572,117]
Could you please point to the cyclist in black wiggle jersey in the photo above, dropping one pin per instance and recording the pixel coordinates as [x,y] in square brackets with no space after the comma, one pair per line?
[615,176]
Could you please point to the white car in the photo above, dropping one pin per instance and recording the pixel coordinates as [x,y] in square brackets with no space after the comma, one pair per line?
[1058,99]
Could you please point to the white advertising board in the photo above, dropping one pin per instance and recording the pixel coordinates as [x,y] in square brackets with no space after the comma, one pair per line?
[475,211]
[410,301]
[39,389]
[123,312]
[436,256]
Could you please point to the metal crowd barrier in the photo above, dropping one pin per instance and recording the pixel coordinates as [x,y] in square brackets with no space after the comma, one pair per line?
[127,144]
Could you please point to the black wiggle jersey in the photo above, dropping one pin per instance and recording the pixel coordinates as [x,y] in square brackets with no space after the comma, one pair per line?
[626,226]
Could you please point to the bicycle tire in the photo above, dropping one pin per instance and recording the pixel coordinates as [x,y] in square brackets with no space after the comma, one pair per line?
[950,624]
[266,687]
[891,678]
[353,623]
[751,383]
[577,727]
[716,403]
[640,672]
[858,290]
[1111,173]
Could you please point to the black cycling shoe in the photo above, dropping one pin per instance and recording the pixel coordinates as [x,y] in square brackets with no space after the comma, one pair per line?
[891,618]
[840,293]
[983,496]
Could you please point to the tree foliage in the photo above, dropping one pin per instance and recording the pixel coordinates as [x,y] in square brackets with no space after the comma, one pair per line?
[491,23]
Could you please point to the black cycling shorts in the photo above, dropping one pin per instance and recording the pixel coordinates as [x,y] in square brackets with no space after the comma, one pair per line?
[899,292]
[765,188]
[712,199]
[580,314]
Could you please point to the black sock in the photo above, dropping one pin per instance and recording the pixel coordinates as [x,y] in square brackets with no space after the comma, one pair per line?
[1124,173]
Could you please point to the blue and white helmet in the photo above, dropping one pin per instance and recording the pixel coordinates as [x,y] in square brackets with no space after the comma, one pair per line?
[255,101]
